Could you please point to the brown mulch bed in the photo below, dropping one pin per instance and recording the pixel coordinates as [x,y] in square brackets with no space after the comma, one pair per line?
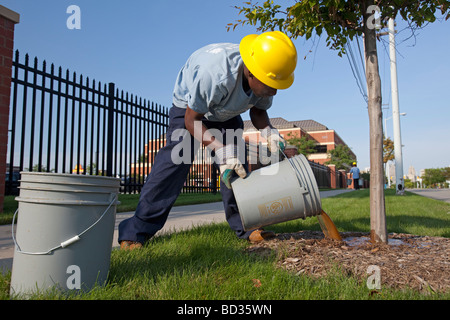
[408,261]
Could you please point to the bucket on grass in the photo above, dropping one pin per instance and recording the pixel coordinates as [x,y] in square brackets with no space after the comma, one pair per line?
[281,192]
[64,232]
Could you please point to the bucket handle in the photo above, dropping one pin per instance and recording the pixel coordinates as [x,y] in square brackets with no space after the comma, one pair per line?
[64,243]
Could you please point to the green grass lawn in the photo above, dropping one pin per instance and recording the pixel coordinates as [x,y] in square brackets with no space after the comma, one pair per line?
[409,213]
[211,263]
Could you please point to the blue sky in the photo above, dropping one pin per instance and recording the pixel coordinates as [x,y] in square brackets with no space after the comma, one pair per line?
[140,45]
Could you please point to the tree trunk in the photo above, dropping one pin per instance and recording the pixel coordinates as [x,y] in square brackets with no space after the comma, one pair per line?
[378,231]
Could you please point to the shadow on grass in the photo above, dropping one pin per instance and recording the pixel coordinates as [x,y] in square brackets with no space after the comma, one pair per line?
[202,249]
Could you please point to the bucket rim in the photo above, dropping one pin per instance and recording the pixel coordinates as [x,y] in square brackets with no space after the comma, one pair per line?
[69,179]
[73,175]
[70,191]
[307,177]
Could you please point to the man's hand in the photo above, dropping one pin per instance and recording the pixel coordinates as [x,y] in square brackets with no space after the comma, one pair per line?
[228,162]
[275,142]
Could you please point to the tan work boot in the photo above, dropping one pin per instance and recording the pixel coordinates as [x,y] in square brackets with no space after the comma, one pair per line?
[130,245]
[260,235]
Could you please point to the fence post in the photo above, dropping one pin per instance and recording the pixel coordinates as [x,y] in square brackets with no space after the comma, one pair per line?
[8,19]
[333,176]
[110,137]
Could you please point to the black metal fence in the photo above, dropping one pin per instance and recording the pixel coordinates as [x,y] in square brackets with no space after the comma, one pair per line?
[204,176]
[64,123]
[322,174]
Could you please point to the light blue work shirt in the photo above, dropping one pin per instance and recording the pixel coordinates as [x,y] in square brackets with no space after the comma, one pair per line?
[355,172]
[210,83]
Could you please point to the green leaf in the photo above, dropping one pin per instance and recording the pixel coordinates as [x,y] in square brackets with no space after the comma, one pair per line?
[319,30]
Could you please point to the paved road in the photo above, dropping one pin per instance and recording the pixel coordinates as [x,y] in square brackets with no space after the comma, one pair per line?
[180,218]
[438,194]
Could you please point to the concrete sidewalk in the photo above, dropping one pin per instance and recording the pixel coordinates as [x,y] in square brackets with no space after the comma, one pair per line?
[437,194]
[180,218]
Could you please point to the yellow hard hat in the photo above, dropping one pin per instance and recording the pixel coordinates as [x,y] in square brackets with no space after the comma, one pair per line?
[271,57]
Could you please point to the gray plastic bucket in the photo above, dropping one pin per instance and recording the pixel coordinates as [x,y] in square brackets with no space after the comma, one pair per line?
[281,192]
[64,232]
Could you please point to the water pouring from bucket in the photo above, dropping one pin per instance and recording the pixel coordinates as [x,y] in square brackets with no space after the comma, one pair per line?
[290,193]
[328,227]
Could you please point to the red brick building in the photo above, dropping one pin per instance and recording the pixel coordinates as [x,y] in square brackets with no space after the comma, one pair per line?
[8,19]
[326,139]
[201,171]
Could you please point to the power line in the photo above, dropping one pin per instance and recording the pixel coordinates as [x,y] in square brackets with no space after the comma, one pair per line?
[352,60]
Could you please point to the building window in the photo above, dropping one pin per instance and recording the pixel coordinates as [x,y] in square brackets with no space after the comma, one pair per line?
[321,148]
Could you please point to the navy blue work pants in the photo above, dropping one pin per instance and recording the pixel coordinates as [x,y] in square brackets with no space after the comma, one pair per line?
[165,182]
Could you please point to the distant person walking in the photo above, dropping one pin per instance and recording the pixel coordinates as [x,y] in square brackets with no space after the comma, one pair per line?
[354,171]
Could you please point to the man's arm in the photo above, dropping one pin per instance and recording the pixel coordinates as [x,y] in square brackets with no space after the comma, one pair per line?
[193,123]
[260,118]
[226,156]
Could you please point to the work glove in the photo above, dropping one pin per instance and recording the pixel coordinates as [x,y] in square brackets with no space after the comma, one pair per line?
[275,142]
[227,159]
